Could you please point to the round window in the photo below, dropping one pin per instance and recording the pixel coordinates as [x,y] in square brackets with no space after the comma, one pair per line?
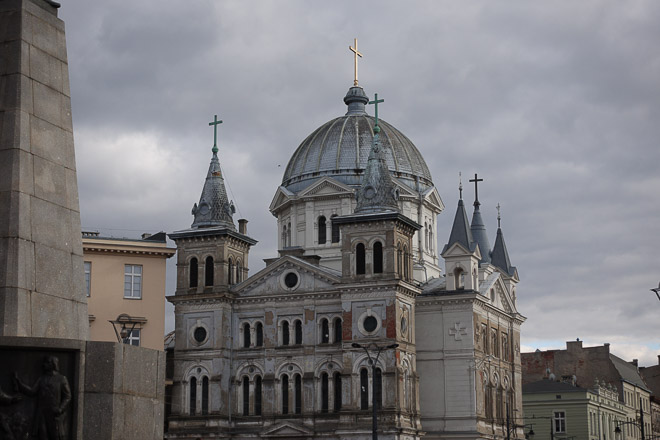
[200,334]
[290,280]
[370,323]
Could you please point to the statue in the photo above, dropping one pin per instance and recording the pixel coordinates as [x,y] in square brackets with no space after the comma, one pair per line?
[53,398]
[6,429]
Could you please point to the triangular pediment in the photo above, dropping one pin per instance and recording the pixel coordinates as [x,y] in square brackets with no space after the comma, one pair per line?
[432,197]
[502,298]
[286,430]
[280,199]
[404,190]
[271,280]
[458,250]
[326,186]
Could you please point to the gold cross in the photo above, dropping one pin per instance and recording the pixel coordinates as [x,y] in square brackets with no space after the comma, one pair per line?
[357,54]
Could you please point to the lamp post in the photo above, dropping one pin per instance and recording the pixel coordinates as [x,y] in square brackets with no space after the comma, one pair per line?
[638,424]
[377,349]
[123,333]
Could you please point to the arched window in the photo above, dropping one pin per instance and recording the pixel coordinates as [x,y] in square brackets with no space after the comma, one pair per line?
[283,236]
[325,331]
[459,278]
[406,263]
[488,401]
[230,271]
[288,235]
[426,235]
[336,379]
[297,385]
[246,396]
[285,333]
[257,396]
[193,396]
[399,260]
[322,232]
[364,389]
[239,272]
[205,395]
[260,335]
[335,229]
[246,335]
[338,330]
[208,271]
[325,397]
[359,259]
[431,245]
[378,388]
[378,257]
[194,272]
[298,330]
[285,394]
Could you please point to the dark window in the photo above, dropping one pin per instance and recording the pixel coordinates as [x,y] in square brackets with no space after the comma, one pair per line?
[298,329]
[335,230]
[290,280]
[298,396]
[194,272]
[230,272]
[193,395]
[370,323]
[378,257]
[337,385]
[285,394]
[205,395]
[285,333]
[322,232]
[488,402]
[246,335]
[325,331]
[208,275]
[378,388]
[239,272]
[406,263]
[359,259]
[257,396]
[324,392]
[200,334]
[246,396]
[338,330]
[260,335]
[364,389]
[399,261]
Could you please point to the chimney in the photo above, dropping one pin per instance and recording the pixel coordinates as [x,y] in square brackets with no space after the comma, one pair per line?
[146,235]
[574,345]
[242,226]
[659,359]
[635,362]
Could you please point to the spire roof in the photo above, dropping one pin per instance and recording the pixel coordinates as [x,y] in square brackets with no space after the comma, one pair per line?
[460,231]
[500,256]
[478,229]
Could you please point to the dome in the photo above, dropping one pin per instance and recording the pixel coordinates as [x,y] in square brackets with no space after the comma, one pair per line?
[340,149]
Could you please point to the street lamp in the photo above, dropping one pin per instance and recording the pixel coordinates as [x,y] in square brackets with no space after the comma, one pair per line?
[638,424]
[124,332]
[378,349]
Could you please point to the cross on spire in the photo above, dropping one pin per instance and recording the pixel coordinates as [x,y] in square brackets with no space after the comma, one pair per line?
[375,102]
[460,186]
[476,180]
[215,124]
[498,215]
[357,54]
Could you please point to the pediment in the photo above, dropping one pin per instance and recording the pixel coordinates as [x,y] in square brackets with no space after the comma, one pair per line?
[432,197]
[282,197]
[503,299]
[404,190]
[326,186]
[271,281]
[286,430]
[458,250]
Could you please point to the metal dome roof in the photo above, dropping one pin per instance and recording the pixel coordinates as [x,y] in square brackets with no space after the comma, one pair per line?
[340,149]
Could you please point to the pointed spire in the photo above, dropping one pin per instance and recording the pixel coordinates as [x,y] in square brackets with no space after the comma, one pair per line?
[378,192]
[214,208]
[500,255]
[478,227]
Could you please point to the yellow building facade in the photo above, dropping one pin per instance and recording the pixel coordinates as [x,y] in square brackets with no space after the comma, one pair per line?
[125,287]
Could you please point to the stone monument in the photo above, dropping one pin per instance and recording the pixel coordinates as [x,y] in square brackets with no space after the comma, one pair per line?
[54,382]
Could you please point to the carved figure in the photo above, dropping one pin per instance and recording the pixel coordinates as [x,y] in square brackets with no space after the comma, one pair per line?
[53,398]
[6,431]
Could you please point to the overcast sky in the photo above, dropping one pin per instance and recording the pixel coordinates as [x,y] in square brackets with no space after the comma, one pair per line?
[555,104]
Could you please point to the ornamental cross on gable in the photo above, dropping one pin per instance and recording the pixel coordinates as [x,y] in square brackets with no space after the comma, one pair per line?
[215,124]
[375,102]
[457,331]
[356,55]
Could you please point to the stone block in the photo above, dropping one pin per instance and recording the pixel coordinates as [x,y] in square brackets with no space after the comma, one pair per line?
[136,411]
[52,316]
[44,31]
[15,131]
[140,369]
[51,142]
[53,272]
[160,382]
[51,225]
[14,311]
[10,59]
[101,366]
[10,24]
[45,68]
[99,409]
[17,263]
[48,104]
[14,207]
[50,182]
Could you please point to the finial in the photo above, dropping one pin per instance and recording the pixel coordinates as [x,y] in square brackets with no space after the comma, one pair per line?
[215,124]
[460,186]
[375,102]
[476,180]
[498,215]
[357,54]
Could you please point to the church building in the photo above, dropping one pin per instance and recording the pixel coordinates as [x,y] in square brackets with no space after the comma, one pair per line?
[359,315]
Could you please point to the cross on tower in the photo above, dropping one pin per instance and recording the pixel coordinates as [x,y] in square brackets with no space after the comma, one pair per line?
[476,180]
[460,186]
[215,124]
[357,54]
[375,102]
[498,215]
